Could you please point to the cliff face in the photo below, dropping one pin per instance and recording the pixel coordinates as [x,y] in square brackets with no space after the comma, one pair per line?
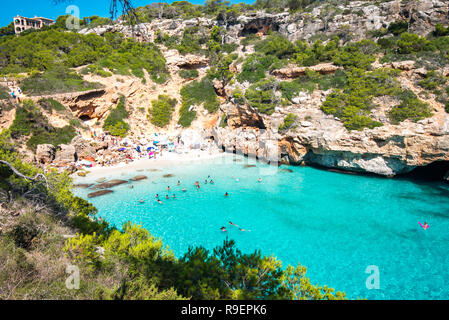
[322,140]
[352,20]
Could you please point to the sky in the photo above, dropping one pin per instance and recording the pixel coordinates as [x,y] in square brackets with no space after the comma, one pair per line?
[47,8]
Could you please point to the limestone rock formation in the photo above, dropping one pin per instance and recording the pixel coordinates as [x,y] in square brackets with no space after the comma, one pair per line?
[65,154]
[45,153]
[294,71]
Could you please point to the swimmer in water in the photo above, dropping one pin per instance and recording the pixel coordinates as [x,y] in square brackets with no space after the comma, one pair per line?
[168,188]
[223,229]
[141,200]
[173,195]
[426,226]
[232,224]
[243,230]
[157,195]
[211,182]
[226,194]
[260,179]
[179,182]
[184,190]
[167,197]
[158,200]
[205,181]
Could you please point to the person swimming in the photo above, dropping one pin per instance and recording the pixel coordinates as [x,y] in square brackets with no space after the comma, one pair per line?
[141,201]
[226,194]
[425,226]
[260,179]
[232,224]
[243,230]
[211,182]
[184,190]
[157,195]
[174,195]
[167,197]
[223,229]
[179,182]
[205,181]
[168,188]
[158,200]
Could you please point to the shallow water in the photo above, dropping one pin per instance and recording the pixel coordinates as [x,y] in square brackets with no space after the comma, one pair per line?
[334,224]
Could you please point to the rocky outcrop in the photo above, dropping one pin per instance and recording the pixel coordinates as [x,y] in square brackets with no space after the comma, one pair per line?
[350,21]
[99,193]
[65,154]
[294,71]
[45,153]
[83,148]
[388,150]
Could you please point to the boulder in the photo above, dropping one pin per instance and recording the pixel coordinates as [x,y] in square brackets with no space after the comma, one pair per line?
[139,177]
[109,184]
[99,193]
[83,148]
[66,153]
[45,153]
[403,65]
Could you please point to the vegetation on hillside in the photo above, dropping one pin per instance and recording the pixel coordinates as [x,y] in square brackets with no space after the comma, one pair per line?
[115,123]
[197,93]
[162,109]
[31,124]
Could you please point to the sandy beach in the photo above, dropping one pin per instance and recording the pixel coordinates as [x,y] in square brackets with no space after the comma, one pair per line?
[167,160]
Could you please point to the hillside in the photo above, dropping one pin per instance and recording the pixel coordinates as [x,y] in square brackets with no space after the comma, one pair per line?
[359,85]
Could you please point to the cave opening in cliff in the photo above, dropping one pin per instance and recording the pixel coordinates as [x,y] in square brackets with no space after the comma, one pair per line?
[435,171]
[84,117]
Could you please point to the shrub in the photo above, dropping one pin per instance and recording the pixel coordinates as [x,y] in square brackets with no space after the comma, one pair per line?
[114,123]
[412,43]
[410,108]
[398,27]
[276,45]
[289,122]
[255,67]
[262,95]
[432,80]
[161,112]
[198,92]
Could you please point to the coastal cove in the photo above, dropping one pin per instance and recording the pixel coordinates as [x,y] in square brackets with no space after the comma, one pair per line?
[334,224]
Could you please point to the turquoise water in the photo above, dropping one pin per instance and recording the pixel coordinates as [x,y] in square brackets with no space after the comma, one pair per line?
[334,224]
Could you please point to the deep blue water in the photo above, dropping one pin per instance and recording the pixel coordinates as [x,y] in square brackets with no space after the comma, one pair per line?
[334,224]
